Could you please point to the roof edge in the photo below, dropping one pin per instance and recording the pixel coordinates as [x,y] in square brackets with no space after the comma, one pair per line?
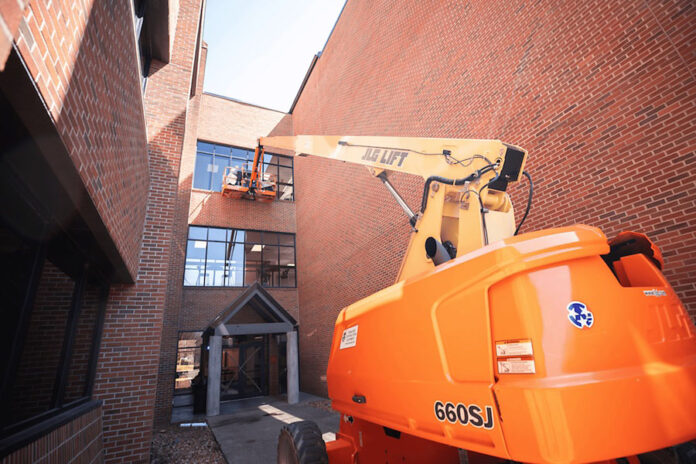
[216,95]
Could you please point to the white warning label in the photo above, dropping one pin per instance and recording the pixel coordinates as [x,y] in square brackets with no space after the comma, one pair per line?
[514,348]
[516,366]
[349,337]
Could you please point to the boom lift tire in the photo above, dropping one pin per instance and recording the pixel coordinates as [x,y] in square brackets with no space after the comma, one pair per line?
[301,443]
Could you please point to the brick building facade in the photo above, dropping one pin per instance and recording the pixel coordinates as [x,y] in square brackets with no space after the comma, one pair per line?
[94,101]
[601,96]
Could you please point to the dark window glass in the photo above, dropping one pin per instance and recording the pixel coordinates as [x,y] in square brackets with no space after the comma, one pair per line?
[270,238]
[286,239]
[212,159]
[270,266]
[253,237]
[204,167]
[236,258]
[287,277]
[32,392]
[252,262]
[82,345]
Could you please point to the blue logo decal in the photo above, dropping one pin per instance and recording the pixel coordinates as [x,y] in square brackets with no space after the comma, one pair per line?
[579,315]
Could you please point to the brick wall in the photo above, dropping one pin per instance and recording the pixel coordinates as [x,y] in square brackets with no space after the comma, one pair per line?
[82,57]
[170,330]
[202,305]
[130,355]
[10,17]
[600,94]
[229,122]
[80,440]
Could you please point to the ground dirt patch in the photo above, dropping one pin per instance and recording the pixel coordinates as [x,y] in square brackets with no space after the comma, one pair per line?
[175,444]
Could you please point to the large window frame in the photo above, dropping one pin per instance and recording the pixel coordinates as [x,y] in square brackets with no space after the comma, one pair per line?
[61,408]
[213,158]
[223,257]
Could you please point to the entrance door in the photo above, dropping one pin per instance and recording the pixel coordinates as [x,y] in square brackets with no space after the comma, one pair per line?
[244,368]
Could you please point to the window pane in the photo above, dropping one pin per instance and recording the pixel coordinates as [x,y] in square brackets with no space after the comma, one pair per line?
[235,265]
[287,256]
[32,391]
[241,153]
[195,263]
[253,237]
[82,345]
[270,238]
[204,167]
[285,192]
[267,157]
[287,277]
[218,169]
[238,235]
[206,147]
[286,239]
[285,175]
[252,263]
[188,360]
[285,161]
[222,150]
[197,232]
[271,172]
[270,266]
[215,264]
[217,234]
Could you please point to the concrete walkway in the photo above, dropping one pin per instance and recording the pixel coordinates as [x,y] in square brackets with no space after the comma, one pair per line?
[247,430]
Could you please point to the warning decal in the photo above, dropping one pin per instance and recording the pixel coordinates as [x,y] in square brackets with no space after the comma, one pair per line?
[349,337]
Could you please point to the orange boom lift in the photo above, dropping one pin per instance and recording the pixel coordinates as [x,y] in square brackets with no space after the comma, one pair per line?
[552,346]
[253,185]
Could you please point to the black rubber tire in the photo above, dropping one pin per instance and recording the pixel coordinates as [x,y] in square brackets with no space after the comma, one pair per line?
[301,443]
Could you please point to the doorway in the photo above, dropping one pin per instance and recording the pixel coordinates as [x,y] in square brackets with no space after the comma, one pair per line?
[244,367]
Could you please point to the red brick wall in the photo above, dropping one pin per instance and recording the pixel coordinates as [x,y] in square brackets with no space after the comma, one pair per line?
[130,355]
[170,330]
[77,441]
[201,305]
[600,94]
[83,59]
[224,121]
[10,17]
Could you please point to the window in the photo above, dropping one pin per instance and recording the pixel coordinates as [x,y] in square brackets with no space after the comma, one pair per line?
[218,257]
[144,54]
[212,159]
[50,329]
[188,361]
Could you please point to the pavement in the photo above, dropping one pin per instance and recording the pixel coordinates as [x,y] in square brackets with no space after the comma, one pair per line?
[247,430]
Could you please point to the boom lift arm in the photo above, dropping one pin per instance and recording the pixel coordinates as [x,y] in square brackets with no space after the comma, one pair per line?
[534,349]
[464,205]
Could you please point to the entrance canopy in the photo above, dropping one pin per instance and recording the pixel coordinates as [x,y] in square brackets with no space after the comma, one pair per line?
[254,312]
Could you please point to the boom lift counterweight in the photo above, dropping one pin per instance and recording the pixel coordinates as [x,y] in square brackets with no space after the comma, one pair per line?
[552,346]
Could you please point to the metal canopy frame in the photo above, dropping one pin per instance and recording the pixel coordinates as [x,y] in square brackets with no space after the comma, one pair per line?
[280,321]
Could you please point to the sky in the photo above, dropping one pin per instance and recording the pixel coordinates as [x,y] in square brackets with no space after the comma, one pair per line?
[259,50]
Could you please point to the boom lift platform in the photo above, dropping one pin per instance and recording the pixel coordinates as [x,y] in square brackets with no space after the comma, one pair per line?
[551,346]
[252,185]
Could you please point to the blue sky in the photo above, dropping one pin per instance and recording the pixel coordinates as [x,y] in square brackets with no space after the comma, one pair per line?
[259,50]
